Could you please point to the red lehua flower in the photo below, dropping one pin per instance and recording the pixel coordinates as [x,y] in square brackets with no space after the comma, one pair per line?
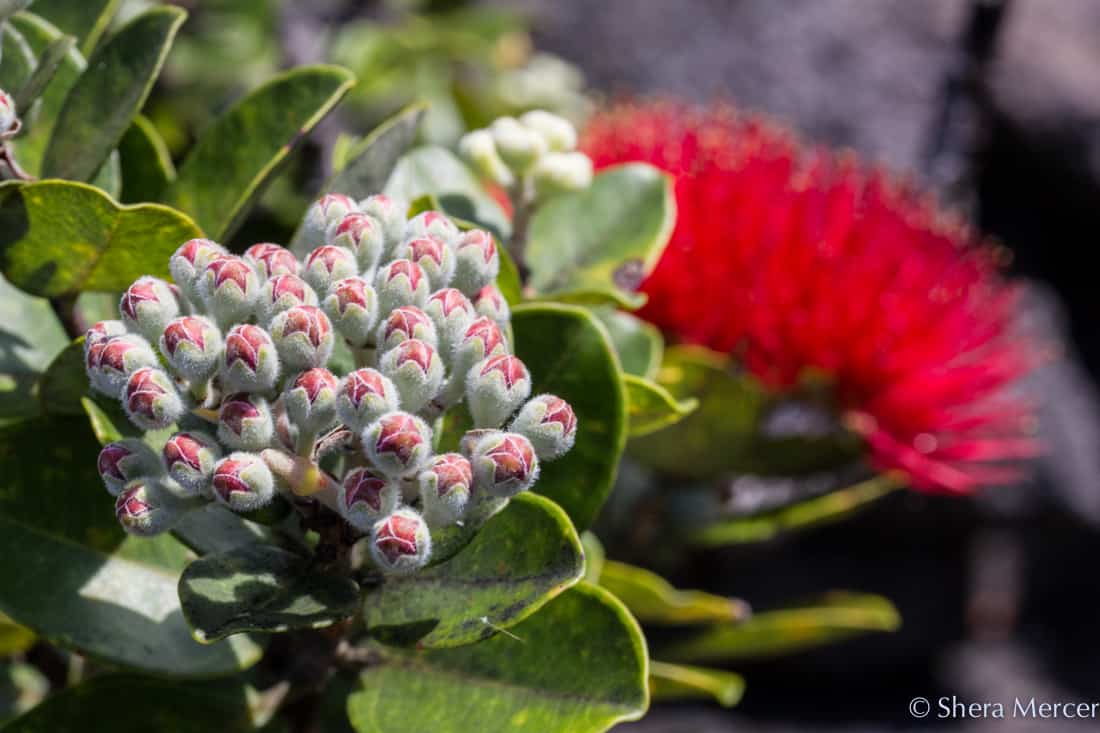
[797,260]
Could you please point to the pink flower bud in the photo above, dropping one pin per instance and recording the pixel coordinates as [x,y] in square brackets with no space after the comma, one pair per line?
[495,388]
[102,332]
[326,211]
[366,496]
[271,260]
[363,235]
[303,336]
[404,323]
[434,257]
[143,509]
[310,399]
[151,400]
[192,345]
[477,262]
[481,340]
[110,363]
[397,444]
[452,313]
[490,303]
[189,262]
[325,265]
[434,224]
[472,437]
[416,370]
[243,482]
[8,118]
[125,460]
[399,283]
[364,396]
[504,464]
[400,543]
[245,422]
[392,214]
[445,485]
[147,306]
[549,423]
[251,363]
[230,289]
[283,292]
[190,458]
[352,306]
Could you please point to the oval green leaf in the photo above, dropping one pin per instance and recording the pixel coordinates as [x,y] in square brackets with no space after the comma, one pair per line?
[30,337]
[87,20]
[61,237]
[653,600]
[240,153]
[59,571]
[261,588]
[650,407]
[577,666]
[147,167]
[17,60]
[607,237]
[569,355]
[680,682]
[638,344]
[521,558]
[104,100]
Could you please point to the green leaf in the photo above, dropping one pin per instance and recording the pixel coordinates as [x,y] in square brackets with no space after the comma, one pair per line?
[52,59]
[58,572]
[65,382]
[577,666]
[679,682]
[87,19]
[653,600]
[61,237]
[638,344]
[17,61]
[595,297]
[605,238]
[650,407]
[30,337]
[835,617]
[39,35]
[569,355]
[9,8]
[594,556]
[521,558]
[147,167]
[261,588]
[13,637]
[130,704]
[104,100]
[436,171]
[216,529]
[22,687]
[240,153]
[831,507]
[109,176]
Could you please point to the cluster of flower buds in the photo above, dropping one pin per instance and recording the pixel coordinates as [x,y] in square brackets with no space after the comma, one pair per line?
[9,121]
[235,357]
[535,154]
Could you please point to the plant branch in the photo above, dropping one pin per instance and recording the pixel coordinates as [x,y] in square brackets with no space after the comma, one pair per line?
[64,307]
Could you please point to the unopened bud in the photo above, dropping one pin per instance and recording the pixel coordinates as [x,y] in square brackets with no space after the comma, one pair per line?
[397,444]
[271,260]
[143,509]
[102,332]
[404,323]
[490,303]
[518,145]
[399,283]
[303,336]
[434,257]
[245,422]
[504,464]
[326,211]
[8,118]
[352,306]
[151,400]
[445,485]
[495,388]
[281,293]
[400,543]
[189,262]
[147,306]
[190,458]
[250,363]
[125,460]
[310,399]
[557,173]
[481,340]
[364,396]
[558,132]
[366,496]
[325,265]
[477,262]
[416,370]
[230,290]
[363,235]
[480,151]
[469,440]
[452,313]
[549,423]
[243,482]
[192,345]
[110,363]
[432,225]
[393,215]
